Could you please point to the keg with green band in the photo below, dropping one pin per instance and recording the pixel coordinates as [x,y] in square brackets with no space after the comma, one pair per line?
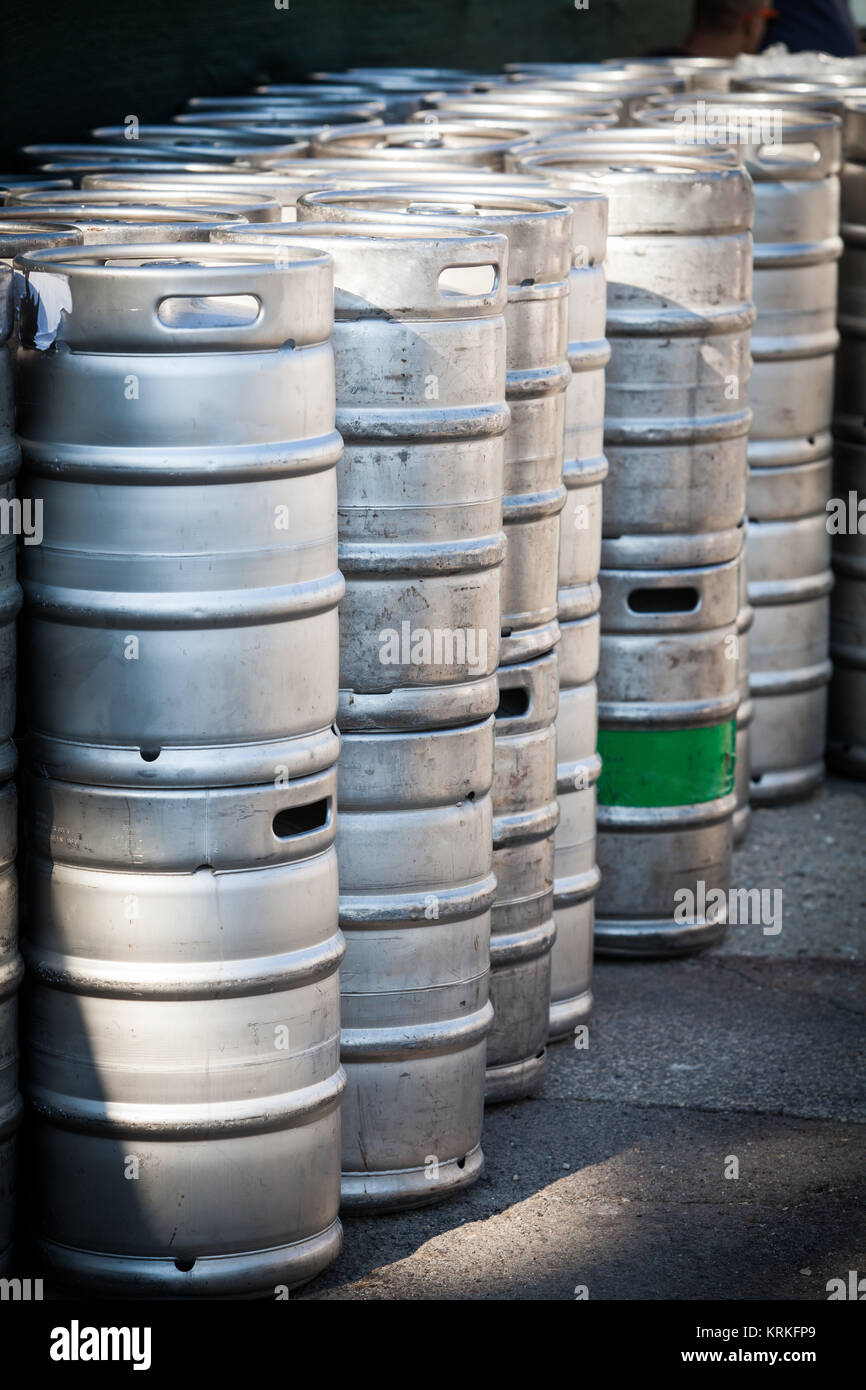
[666,767]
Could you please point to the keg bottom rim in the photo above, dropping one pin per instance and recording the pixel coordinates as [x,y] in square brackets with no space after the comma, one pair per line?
[568,1014]
[653,938]
[780,785]
[248,1273]
[402,1189]
[516,1080]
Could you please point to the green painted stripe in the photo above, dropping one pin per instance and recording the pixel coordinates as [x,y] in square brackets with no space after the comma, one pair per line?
[666,767]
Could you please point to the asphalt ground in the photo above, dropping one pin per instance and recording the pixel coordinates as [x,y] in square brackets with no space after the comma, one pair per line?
[617,1181]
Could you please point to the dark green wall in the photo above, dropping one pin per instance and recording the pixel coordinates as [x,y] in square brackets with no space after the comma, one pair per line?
[74,64]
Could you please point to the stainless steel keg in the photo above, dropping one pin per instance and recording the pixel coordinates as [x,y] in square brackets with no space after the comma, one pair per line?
[793,155]
[679,313]
[419,343]
[525,817]
[176,416]
[790,582]
[576,875]
[416,889]
[182,1040]
[540,253]
[668,697]
[21,519]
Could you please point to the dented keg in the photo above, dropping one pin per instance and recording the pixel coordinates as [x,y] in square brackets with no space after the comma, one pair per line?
[668,698]
[176,416]
[790,581]
[183,1031]
[525,817]
[416,888]
[449,142]
[576,875]
[539,233]
[678,318]
[419,342]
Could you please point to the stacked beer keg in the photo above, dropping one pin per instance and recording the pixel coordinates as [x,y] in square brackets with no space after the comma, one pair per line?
[420,361]
[176,416]
[525,809]
[676,421]
[793,155]
[19,519]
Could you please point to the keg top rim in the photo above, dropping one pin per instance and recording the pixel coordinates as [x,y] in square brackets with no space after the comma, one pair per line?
[86,198]
[655,161]
[506,207]
[166,133]
[491,183]
[504,115]
[803,117]
[238,107]
[486,135]
[141,258]
[149,211]
[33,234]
[518,94]
[372,233]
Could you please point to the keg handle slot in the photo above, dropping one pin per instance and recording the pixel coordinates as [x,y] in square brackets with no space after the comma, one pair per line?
[469,281]
[514,703]
[302,820]
[681,599]
[208,311]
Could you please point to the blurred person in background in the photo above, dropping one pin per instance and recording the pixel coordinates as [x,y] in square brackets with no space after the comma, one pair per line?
[723,29]
[823,26]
